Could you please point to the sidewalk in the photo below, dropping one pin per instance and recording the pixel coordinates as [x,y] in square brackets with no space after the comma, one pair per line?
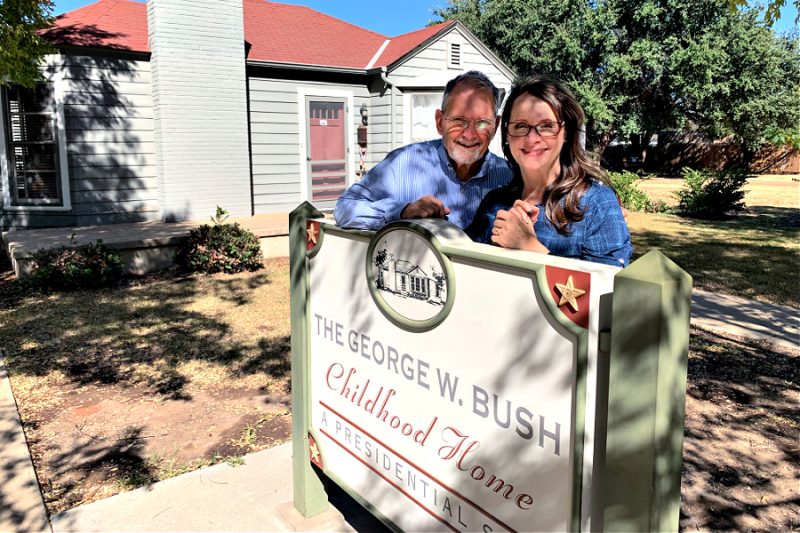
[21,505]
[746,318]
[257,495]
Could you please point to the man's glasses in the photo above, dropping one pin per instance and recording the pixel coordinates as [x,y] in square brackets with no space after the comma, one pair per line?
[546,130]
[461,123]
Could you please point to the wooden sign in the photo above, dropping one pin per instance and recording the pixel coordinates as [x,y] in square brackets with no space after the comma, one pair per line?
[449,385]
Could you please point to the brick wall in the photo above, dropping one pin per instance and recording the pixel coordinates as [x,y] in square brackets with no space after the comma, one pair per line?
[199,107]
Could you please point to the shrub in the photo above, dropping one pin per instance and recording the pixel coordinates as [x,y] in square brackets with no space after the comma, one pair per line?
[631,196]
[71,268]
[711,195]
[220,248]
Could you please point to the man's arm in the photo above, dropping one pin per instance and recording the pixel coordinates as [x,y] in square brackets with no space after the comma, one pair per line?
[372,202]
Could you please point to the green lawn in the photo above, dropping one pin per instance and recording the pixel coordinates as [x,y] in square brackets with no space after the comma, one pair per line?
[754,255]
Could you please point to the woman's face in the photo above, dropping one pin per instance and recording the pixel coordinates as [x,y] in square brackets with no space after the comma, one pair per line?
[536,156]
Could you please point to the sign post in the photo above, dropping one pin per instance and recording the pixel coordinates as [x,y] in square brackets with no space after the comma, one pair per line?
[448,385]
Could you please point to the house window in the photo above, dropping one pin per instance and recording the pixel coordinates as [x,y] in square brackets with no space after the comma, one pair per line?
[455,55]
[31,146]
[423,116]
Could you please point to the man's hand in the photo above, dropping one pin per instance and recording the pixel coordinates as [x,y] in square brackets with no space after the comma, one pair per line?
[426,207]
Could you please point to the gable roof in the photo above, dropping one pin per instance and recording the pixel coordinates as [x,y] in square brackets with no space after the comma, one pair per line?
[403,44]
[276,32]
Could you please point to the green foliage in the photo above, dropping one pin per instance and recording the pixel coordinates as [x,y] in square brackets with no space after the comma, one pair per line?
[631,196]
[711,195]
[222,247]
[220,216]
[784,137]
[72,268]
[21,47]
[643,66]
[773,9]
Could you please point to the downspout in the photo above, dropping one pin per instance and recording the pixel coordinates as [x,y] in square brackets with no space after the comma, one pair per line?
[391,105]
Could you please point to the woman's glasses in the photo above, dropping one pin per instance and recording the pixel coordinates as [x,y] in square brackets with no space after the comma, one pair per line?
[546,130]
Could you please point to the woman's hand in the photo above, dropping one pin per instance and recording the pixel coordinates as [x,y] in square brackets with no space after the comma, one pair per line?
[514,228]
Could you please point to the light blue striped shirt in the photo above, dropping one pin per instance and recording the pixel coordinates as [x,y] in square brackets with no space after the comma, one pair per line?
[411,172]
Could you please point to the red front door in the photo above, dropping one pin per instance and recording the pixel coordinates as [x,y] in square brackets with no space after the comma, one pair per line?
[327,150]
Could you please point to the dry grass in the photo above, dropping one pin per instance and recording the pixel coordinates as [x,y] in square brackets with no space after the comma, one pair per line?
[755,255]
[166,333]
[779,190]
[127,386]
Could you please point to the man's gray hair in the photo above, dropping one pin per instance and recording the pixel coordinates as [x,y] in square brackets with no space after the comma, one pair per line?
[475,80]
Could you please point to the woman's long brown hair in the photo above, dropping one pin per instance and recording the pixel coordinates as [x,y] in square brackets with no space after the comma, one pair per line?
[561,199]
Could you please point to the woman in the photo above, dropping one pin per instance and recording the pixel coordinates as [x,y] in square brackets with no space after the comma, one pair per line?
[559,202]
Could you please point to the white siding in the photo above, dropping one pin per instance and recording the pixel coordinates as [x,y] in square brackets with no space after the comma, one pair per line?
[431,63]
[380,130]
[429,69]
[110,149]
[275,138]
[200,107]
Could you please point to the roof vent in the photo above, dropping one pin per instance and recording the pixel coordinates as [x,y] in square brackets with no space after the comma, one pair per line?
[455,55]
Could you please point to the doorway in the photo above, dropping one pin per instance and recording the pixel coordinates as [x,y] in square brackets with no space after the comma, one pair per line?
[327,149]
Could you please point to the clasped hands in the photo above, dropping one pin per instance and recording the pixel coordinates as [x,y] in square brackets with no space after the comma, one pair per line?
[515,228]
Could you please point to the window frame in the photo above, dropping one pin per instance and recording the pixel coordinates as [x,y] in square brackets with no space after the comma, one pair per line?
[53,75]
[408,110]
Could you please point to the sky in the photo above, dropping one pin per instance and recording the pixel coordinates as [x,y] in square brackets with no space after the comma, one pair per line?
[385,18]
[379,16]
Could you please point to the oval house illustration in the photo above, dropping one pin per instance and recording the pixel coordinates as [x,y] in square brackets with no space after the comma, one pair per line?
[406,279]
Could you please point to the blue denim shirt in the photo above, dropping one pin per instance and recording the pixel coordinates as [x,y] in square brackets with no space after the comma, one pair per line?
[602,236]
[409,173]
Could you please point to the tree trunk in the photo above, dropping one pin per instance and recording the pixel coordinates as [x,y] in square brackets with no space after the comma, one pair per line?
[601,146]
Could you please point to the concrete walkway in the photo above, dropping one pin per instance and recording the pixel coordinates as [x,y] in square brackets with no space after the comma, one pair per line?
[256,496]
[21,505]
[746,318]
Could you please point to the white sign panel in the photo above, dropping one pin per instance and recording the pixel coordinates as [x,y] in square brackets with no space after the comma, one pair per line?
[448,395]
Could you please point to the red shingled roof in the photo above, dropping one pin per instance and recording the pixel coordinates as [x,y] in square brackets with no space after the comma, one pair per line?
[297,34]
[276,32]
[403,44]
[120,24]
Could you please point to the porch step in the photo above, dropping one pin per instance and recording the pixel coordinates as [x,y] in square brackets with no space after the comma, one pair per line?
[144,246]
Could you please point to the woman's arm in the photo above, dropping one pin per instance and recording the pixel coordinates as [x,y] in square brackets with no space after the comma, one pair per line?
[514,228]
[606,238]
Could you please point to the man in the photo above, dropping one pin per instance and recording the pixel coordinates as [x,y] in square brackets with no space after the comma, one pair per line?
[445,178]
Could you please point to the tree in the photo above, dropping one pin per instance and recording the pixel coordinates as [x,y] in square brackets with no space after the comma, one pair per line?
[773,9]
[643,66]
[753,92]
[21,46]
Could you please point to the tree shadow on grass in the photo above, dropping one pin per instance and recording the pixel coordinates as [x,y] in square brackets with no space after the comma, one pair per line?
[740,442]
[752,266]
[123,461]
[138,335]
[131,341]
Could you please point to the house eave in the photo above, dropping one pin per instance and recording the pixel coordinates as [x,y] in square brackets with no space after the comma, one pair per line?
[77,50]
[307,67]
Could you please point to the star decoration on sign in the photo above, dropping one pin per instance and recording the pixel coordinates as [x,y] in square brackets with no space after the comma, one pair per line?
[312,234]
[569,294]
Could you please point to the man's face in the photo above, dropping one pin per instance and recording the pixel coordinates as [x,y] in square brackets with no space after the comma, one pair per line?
[466,146]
